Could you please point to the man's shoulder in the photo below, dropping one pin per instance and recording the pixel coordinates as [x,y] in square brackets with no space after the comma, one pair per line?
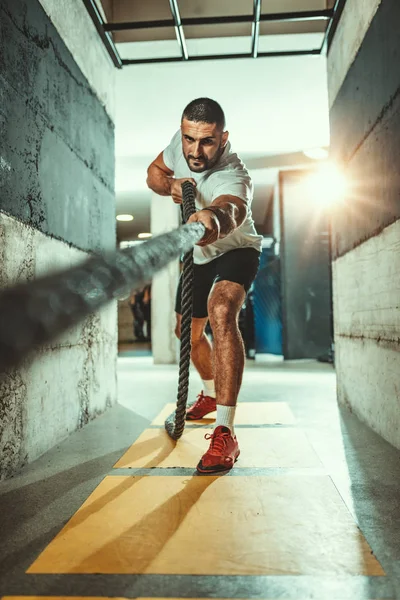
[231,168]
[176,139]
[172,153]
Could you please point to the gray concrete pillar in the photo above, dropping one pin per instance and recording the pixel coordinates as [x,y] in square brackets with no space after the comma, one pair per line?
[164,217]
[57,207]
[364,84]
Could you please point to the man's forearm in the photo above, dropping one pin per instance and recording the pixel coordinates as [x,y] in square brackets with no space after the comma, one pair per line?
[229,215]
[159,181]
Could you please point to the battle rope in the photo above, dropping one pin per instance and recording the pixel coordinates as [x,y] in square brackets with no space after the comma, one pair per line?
[175,423]
[36,312]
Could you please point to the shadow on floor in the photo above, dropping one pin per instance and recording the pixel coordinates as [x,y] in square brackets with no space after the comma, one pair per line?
[374,487]
[37,502]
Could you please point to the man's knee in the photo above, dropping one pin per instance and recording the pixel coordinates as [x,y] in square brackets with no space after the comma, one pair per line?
[224,308]
[222,312]
[197,331]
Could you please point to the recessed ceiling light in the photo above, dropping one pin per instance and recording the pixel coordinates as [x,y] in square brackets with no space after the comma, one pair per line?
[143,236]
[124,217]
[316,153]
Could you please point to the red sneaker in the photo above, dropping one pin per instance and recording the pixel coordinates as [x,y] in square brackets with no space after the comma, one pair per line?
[222,453]
[201,408]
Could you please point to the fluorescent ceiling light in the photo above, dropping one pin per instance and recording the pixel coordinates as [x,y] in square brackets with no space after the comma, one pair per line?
[143,236]
[124,217]
[316,153]
[129,243]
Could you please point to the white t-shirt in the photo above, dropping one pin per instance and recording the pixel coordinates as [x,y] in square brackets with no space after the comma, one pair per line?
[228,176]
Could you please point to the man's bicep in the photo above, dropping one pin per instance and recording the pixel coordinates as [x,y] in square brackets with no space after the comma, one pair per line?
[159,162]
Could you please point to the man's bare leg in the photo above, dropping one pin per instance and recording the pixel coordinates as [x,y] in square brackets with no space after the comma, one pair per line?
[201,346]
[224,304]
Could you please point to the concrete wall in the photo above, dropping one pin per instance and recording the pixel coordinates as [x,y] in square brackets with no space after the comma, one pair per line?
[57,142]
[56,205]
[364,87]
[355,21]
[80,36]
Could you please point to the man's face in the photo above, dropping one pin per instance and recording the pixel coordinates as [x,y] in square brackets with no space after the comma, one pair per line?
[202,144]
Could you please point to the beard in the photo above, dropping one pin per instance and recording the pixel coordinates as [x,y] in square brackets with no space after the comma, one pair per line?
[202,163]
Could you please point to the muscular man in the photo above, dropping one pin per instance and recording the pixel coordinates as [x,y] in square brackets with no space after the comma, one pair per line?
[226,262]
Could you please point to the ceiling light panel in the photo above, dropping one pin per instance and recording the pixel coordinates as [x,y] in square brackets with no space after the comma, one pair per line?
[153,49]
[282,6]
[215,46]
[292,27]
[211,8]
[282,43]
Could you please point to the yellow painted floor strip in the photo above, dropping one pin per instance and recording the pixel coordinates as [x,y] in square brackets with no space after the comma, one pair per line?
[259,448]
[211,526]
[247,413]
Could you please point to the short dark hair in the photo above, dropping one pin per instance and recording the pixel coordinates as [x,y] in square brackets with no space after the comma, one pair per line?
[204,110]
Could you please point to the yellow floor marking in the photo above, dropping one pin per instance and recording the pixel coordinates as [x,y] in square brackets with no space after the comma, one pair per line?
[247,413]
[211,526]
[258,447]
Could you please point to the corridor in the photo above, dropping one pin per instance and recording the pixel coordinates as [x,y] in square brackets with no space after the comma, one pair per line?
[116,510]
[285,116]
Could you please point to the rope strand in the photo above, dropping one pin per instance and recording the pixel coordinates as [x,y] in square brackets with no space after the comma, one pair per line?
[175,423]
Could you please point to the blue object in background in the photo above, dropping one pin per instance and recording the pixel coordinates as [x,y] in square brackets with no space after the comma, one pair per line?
[267,304]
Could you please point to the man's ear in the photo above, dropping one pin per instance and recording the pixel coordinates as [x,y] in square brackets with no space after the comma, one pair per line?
[225,136]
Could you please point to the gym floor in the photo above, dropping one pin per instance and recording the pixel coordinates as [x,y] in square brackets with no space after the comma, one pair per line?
[311,509]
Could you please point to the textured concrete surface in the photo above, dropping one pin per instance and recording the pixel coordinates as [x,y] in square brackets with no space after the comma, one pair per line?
[365,128]
[365,133]
[57,141]
[367,331]
[69,381]
[373,394]
[74,24]
[356,19]
[369,308]
[365,469]
[56,199]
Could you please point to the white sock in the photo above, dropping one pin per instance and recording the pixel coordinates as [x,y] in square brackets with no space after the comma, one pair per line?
[209,388]
[225,417]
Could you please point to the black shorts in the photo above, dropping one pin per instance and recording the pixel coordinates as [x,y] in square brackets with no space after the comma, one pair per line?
[239,266]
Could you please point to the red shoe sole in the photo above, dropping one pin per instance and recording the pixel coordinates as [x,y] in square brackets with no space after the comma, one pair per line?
[189,418]
[217,469]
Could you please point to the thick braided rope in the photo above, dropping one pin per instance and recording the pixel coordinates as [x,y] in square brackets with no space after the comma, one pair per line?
[175,424]
[36,312]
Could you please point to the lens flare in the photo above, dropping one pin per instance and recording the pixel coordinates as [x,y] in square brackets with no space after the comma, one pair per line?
[327,186]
